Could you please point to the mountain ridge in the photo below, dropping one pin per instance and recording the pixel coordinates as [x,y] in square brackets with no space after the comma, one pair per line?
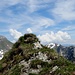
[29,57]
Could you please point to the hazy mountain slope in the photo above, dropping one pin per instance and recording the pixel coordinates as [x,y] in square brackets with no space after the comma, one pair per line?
[29,57]
[66,51]
[4,43]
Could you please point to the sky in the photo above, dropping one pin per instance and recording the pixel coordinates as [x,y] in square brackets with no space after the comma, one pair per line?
[50,20]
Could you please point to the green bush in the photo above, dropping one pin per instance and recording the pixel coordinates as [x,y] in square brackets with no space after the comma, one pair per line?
[30,38]
[36,62]
[16,70]
[44,71]
[21,39]
[1,68]
[62,62]
[17,44]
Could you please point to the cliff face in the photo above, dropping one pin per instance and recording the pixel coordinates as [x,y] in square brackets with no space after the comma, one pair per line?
[29,57]
[67,52]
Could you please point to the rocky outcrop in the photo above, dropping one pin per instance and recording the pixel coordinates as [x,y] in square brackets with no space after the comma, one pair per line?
[29,57]
[54,69]
[37,45]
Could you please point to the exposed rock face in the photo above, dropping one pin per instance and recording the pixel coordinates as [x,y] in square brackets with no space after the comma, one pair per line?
[42,56]
[25,69]
[66,51]
[27,64]
[30,70]
[37,45]
[54,69]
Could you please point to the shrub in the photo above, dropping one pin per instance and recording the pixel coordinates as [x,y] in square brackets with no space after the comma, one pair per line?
[44,71]
[1,68]
[16,45]
[21,39]
[36,62]
[30,38]
[16,70]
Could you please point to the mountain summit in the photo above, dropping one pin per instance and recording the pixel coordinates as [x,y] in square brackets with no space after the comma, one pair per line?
[29,57]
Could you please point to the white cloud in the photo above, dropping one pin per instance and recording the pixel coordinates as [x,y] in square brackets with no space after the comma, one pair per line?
[15,21]
[45,22]
[58,37]
[68,28]
[35,5]
[42,22]
[31,5]
[16,34]
[7,3]
[29,30]
[65,9]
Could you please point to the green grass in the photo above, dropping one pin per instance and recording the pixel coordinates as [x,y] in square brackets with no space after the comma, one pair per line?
[36,62]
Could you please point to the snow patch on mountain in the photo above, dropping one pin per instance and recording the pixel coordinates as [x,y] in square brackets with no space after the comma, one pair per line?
[52,45]
[1,54]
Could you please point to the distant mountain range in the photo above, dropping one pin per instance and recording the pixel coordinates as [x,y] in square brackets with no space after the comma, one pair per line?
[5,44]
[65,51]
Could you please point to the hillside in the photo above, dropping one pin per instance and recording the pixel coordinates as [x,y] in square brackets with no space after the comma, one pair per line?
[5,44]
[29,57]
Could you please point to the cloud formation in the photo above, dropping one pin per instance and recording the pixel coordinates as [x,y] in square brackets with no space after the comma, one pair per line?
[39,16]
[35,5]
[16,34]
[69,28]
[54,37]
[41,22]
[29,30]
[64,9]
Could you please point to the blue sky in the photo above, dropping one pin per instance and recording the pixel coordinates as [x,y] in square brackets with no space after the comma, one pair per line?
[50,20]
